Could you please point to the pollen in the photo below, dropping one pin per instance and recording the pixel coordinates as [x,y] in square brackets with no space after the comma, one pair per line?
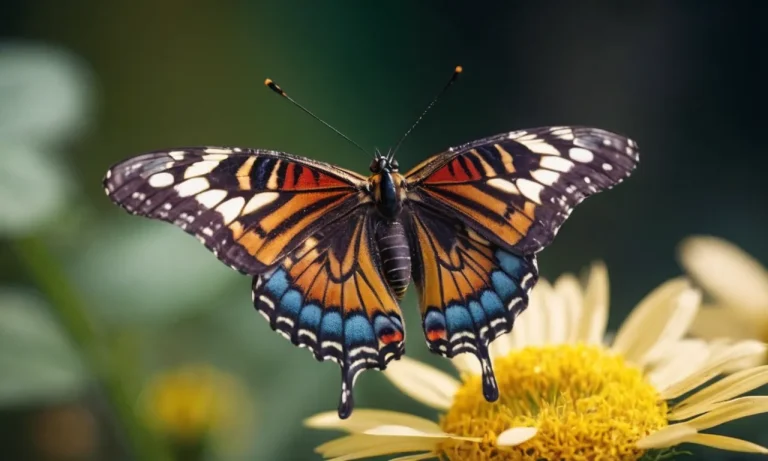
[585,403]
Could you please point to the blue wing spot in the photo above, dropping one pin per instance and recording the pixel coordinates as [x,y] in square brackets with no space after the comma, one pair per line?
[458,318]
[291,302]
[434,320]
[309,317]
[330,326]
[503,285]
[383,325]
[358,330]
[492,304]
[277,284]
[511,264]
[397,322]
[478,314]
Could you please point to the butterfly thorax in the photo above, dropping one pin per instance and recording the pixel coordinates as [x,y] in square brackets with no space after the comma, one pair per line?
[387,188]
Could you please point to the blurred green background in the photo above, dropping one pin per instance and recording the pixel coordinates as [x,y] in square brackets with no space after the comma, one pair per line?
[86,83]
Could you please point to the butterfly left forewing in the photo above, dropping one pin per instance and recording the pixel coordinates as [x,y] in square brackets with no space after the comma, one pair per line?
[518,188]
[250,207]
[330,296]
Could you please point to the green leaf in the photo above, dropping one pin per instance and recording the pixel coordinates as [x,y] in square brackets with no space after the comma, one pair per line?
[45,95]
[37,361]
[141,272]
[33,189]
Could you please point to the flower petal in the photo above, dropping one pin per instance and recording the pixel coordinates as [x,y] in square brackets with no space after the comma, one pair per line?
[557,322]
[594,316]
[714,366]
[641,330]
[468,363]
[422,382]
[416,457]
[731,386]
[363,419]
[687,357]
[726,443]
[728,273]
[567,288]
[515,436]
[361,446]
[719,322]
[677,324]
[531,325]
[405,431]
[666,437]
[729,411]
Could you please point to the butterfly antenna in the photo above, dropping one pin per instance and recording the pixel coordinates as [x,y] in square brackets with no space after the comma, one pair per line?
[276,88]
[455,75]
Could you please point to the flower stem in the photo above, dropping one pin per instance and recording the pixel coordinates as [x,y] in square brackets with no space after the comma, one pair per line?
[46,271]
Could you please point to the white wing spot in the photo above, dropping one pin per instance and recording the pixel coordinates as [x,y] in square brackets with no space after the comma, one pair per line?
[260,200]
[530,189]
[607,166]
[167,206]
[191,186]
[516,134]
[540,147]
[107,191]
[177,155]
[504,185]
[211,198]
[581,155]
[523,136]
[231,209]
[556,163]
[563,133]
[200,168]
[587,180]
[109,174]
[161,180]
[545,177]
[606,142]
[217,150]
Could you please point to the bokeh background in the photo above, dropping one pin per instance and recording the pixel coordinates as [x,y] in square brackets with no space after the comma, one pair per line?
[86,83]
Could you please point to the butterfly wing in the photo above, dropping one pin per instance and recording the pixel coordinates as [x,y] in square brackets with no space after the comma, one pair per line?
[300,227]
[516,189]
[249,207]
[471,290]
[330,296]
[480,212]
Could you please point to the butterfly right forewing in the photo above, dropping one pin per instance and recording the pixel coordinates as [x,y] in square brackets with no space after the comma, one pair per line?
[250,207]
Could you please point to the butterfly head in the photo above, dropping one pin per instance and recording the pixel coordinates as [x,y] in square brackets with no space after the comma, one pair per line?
[382,163]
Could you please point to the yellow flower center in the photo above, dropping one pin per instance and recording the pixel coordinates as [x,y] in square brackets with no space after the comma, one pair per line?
[586,403]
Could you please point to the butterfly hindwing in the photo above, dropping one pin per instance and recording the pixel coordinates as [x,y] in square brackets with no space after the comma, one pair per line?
[250,207]
[518,188]
[471,290]
[329,295]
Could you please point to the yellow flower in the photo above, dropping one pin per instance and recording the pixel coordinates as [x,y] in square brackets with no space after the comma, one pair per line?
[737,285]
[564,394]
[195,404]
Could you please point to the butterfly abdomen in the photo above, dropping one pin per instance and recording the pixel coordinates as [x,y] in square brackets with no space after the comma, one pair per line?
[395,255]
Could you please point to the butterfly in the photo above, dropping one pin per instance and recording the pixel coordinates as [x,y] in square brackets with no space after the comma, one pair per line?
[331,252]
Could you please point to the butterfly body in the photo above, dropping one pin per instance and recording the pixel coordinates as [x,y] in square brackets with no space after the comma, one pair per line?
[331,252]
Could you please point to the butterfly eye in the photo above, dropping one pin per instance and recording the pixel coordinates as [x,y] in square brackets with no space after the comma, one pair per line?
[394,165]
[375,166]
